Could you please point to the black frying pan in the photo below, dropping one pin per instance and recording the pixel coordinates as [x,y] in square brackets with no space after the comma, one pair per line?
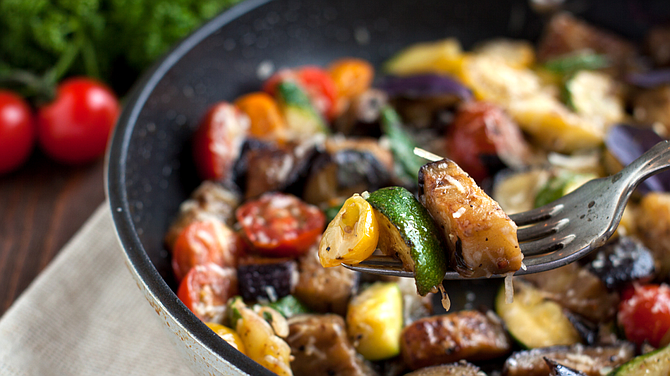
[150,170]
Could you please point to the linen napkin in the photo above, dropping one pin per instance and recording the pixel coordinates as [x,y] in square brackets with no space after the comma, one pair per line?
[84,315]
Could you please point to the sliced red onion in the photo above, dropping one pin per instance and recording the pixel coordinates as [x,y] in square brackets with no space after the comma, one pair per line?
[627,143]
[424,86]
[649,80]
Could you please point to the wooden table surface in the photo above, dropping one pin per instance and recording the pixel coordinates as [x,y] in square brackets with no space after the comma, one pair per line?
[41,206]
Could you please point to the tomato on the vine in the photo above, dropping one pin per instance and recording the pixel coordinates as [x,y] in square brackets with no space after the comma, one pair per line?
[280,225]
[76,125]
[644,314]
[17,131]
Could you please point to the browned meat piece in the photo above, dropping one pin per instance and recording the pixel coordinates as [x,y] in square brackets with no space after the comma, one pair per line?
[658,45]
[565,34]
[455,369]
[589,360]
[320,346]
[209,200]
[653,106]
[578,290]
[324,289]
[469,335]
[271,167]
[482,239]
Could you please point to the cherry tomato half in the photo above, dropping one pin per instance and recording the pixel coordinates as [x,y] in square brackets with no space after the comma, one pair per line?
[218,140]
[644,314]
[280,225]
[76,126]
[480,131]
[204,242]
[206,289]
[17,131]
[317,83]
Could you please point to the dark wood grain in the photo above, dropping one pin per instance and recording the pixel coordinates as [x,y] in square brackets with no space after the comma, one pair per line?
[41,206]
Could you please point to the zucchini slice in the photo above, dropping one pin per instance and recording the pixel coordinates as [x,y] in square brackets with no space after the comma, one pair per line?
[407,231]
[481,237]
[655,363]
[534,321]
[301,117]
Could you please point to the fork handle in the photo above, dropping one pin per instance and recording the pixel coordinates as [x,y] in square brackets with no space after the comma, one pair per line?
[654,161]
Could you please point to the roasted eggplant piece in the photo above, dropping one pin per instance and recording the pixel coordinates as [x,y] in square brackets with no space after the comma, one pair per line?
[266,278]
[320,346]
[455,369]
[588,360]
[621,262]
[209,200]
[347,167]
[362,116]
[324,289]
[481,237]
[577,289]
[267,166]
[556,369]
[469,335]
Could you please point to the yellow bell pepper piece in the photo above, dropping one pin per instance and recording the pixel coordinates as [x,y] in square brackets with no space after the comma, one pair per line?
[351,236]
[228,335]
[444,56]
[374,321]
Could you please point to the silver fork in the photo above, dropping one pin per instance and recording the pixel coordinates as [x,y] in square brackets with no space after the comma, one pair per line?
[567,229]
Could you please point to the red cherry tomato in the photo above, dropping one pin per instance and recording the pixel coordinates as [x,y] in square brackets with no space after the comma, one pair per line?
[480,130]
[204,242]
[76,126]
[218,140]
[280,225]
[644,314]
[206,289]
[17,131]
[318,84]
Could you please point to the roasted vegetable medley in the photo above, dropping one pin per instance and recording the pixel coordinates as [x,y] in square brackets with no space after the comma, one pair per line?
[318,168]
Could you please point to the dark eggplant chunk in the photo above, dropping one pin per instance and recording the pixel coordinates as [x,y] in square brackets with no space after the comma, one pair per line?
[361,118]
[267,166]
[266,279]
[324,289]
[556,369]
[320,346]
[209,201]
[626,142]
[348,167]
[469,335]
[621,262]
[578,290]
[588,360]
[461,368]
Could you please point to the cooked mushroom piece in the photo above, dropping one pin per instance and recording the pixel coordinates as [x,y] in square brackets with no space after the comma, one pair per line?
[481,237]
[461,368]
[320,346]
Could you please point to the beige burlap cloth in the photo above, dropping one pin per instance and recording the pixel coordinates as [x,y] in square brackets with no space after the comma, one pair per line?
[84,315]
